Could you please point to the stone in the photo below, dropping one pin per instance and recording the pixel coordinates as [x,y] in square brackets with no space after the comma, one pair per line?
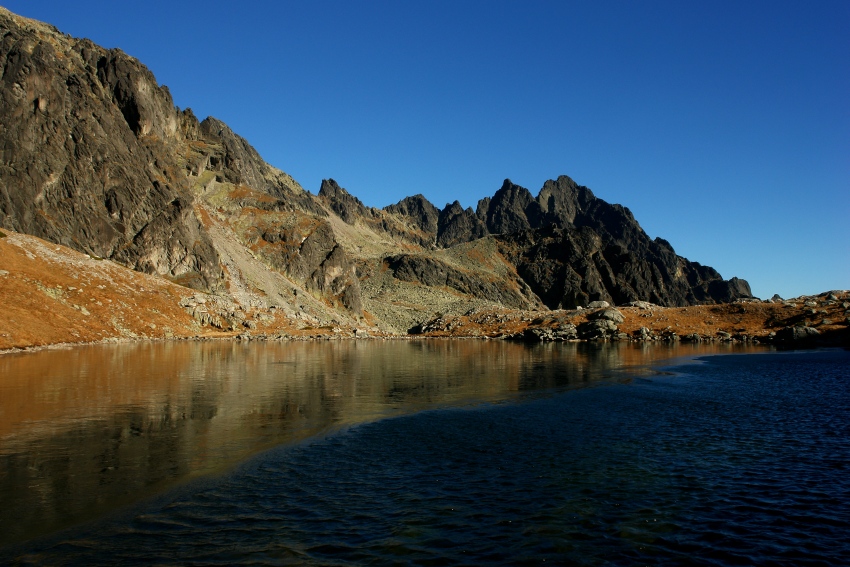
[512,209]
[797,334]
[640,304]
[598,305]
[435,273]
[600,328]
[609,314]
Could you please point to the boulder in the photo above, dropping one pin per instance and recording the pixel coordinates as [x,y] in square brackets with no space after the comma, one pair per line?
[608,314]
[598,329]
[797,334]
[640,304]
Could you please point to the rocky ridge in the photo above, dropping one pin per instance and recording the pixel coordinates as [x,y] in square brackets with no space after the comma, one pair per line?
[96,157]
[54,295]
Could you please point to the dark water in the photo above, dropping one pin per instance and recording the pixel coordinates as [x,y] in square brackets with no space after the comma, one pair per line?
[480,454]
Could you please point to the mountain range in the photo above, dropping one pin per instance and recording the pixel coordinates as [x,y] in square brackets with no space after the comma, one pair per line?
[96,157]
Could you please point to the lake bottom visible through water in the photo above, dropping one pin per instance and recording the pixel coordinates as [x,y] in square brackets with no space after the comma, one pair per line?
[730,460]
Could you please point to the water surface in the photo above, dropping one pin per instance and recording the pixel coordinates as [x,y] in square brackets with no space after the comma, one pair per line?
[446,452]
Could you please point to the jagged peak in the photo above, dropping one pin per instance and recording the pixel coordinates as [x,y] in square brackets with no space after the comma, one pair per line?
[216,128]
[343,203]
[454,208]
[419,201]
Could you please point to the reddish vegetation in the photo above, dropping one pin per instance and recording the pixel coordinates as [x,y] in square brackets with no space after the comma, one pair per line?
[742,320]
[51,294]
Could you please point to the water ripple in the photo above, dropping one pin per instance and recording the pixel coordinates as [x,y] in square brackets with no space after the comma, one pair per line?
[741,462]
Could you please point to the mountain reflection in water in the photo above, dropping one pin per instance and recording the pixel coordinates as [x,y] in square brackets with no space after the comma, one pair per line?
[87,430]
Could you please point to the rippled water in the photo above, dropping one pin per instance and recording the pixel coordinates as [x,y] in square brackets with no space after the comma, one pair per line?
[500,459]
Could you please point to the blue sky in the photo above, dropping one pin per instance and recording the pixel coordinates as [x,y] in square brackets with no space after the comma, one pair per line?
[724,126]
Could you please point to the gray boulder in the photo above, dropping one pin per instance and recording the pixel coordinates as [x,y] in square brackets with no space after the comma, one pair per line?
[598,329]
[609,315]
[797,334]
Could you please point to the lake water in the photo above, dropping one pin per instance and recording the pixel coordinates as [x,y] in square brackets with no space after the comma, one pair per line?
[424,453]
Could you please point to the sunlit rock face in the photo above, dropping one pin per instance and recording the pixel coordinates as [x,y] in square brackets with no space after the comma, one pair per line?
[88,155]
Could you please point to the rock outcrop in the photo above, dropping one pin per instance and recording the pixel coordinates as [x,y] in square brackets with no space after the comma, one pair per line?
[348,207]
[432,272]
[88,144]
[420,218]
[457,225]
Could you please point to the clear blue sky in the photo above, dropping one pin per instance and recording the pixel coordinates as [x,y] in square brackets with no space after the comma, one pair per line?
[724,126]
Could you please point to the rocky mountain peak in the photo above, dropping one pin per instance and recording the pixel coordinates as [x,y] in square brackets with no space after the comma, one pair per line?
[563,198]
[343,203]
[457,225]
[512,209]
[147,108]
[419,211]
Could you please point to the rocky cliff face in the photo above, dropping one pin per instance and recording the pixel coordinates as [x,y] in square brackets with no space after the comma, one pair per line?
[457,225]
[572,248]
[94,155]
[87,142]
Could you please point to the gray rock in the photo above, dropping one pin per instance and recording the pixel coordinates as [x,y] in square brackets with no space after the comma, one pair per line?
[432,272]
[457,225]
[348,207]
[640,304]
[418,213]
[566,332]
[90,160]
[797,333]
[598,329]
[512,209]
[609,314]
[598,305]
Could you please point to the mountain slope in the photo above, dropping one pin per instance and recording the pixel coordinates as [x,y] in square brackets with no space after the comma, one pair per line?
[88,141]
[95,156]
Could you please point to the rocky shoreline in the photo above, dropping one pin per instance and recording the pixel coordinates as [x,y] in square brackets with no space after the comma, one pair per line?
[55,296]
[818,320]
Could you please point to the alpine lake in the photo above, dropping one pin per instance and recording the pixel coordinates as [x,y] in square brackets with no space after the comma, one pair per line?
[424,452]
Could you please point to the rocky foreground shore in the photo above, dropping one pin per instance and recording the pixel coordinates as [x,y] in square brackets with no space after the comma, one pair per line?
[54,295]
[820,319]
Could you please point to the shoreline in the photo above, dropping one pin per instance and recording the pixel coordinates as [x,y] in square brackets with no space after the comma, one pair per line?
[55,297]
